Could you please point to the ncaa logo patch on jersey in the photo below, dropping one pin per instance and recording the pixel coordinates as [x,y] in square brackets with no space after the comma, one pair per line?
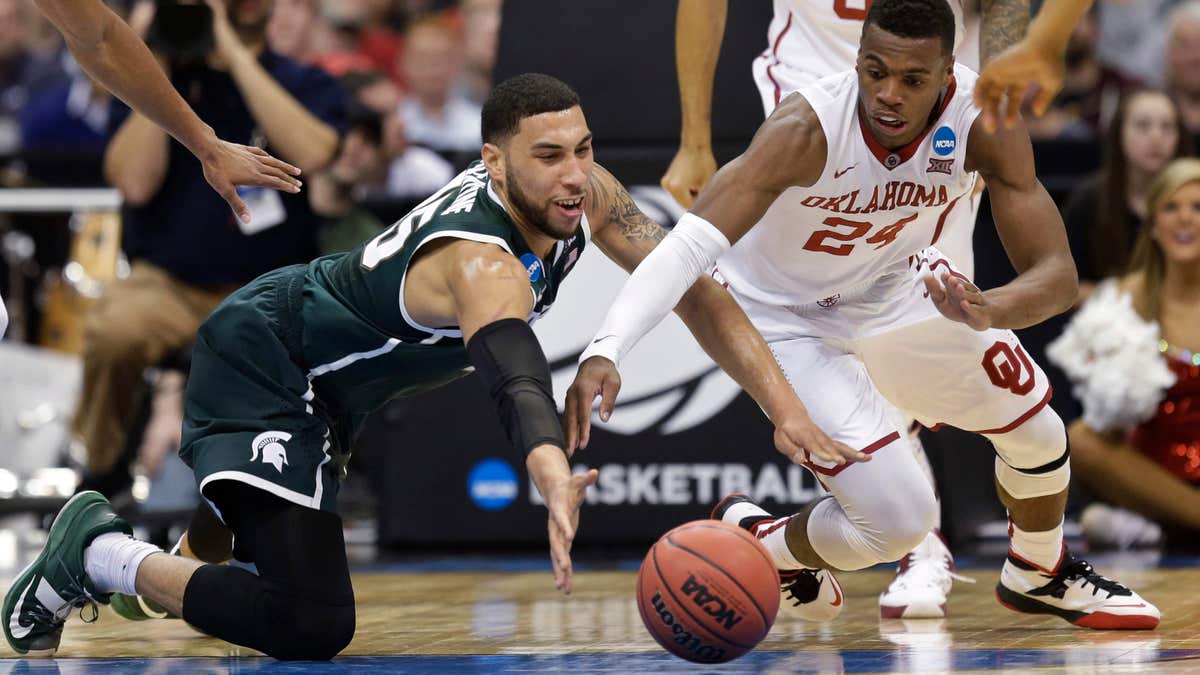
[533,265]
[944,141]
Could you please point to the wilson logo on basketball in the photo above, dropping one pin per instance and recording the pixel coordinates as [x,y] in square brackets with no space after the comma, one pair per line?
[1009,369]
[712,605]
[697,649]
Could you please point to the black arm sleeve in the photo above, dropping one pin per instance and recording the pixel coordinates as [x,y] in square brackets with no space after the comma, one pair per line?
[508,357]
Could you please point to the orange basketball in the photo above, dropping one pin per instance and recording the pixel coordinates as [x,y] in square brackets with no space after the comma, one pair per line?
[708,591]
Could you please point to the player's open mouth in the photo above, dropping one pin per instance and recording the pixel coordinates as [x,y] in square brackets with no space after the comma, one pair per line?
[571,207]
[889,123]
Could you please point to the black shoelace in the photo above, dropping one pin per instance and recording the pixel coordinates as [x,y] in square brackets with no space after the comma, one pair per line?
[1080,570]
[803,587]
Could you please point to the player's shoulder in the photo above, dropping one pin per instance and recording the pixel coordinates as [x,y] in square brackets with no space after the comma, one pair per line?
[964,84]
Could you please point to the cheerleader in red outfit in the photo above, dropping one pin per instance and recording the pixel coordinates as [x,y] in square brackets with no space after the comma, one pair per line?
[1133,354]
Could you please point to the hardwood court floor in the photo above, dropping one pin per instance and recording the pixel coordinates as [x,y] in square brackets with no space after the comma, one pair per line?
[516,622]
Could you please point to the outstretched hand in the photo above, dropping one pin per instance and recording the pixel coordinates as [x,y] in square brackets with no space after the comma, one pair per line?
[959,300]
[229,165]
[597,376]
[800,439]
[563,501]
[1007,78]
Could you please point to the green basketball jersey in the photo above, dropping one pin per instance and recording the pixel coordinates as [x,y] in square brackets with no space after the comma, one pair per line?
[359,343]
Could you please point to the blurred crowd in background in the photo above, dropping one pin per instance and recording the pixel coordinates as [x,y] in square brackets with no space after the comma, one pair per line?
[400,83]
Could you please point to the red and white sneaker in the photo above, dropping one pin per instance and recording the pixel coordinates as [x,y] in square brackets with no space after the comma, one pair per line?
[816,594]
[922,582]
[1075,593]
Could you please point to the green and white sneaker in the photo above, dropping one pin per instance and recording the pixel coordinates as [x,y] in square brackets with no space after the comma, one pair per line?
[45,592]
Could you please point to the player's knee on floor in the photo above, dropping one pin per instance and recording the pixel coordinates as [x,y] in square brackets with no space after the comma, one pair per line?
[304,629]
[1033,460]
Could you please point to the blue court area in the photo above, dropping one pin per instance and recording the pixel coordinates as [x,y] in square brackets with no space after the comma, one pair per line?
[845,661]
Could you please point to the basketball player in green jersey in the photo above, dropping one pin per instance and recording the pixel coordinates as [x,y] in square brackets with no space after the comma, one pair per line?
[284,370]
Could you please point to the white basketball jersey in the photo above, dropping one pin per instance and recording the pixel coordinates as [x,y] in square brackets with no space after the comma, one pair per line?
[868,212]
[814,38]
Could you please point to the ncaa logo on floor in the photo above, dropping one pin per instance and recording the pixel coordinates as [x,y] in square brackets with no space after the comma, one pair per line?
[492,484]
[944,141]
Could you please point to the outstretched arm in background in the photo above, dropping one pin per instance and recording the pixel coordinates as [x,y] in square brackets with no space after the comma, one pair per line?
[699,31]
[1036,62]
[108,49]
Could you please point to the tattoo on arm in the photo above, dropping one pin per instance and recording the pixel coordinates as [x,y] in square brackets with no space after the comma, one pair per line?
[613,203]
[1003,24]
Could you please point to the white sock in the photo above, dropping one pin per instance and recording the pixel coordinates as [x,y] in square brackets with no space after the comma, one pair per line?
[1043,549]
[112,562]
[772,534]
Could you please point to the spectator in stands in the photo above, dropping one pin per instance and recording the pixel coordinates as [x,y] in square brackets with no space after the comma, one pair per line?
[481,37]
[414,171]
[295,29]
[1133,353]
[187,249]
[335,193]
[22,73]
[1105,213]
[71,117]
[436,113]
[372,90]
[1131,39]
[1075,111]
[1183,62]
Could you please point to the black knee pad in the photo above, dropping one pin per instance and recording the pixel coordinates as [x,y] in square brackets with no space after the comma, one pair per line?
[307,629]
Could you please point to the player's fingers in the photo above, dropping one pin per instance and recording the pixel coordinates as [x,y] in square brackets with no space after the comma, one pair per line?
[276,183]
[816,447]
[556,555]
[583,413]
[790,448]
[1041,100]
[235,202]
[849,452]
[1012,112]
[568,423]
[566,531]
[275,167]
[935,290]
[608,397]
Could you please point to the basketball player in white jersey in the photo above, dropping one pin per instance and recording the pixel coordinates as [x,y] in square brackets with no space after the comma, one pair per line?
[807,40]
[833,208]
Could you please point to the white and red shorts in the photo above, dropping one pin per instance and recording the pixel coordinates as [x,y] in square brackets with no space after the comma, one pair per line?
[853,356]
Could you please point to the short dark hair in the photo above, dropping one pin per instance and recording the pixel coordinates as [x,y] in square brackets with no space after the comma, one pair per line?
[519,97]
[914,19]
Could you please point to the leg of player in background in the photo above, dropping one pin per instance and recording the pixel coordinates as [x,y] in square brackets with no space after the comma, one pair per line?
[925,574]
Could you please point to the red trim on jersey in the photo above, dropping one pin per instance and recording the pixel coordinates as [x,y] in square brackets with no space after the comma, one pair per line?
[775,57]
[1023,418]
[894,436]
[937,231]
[779,38]
[778,89]
[881,153]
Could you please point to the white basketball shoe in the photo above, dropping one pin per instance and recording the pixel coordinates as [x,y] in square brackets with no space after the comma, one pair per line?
[1074,592]
[816,594]
[922,583]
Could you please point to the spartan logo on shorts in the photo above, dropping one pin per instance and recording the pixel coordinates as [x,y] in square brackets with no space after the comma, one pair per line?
[1008,369]
[270,444]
